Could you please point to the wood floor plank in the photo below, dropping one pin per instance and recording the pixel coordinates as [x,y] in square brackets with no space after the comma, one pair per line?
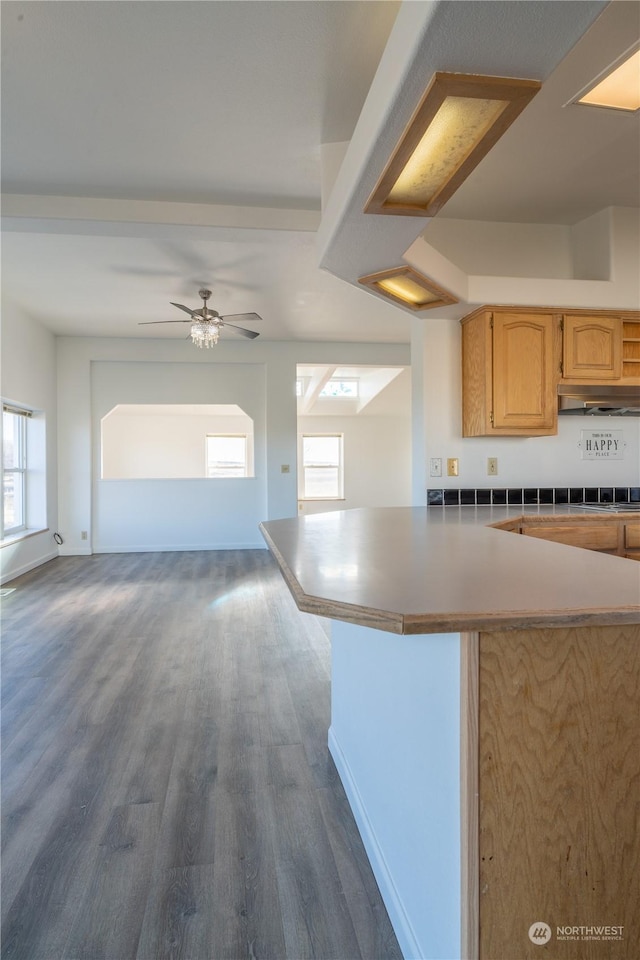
[18,706]
[167,788]
[42,914]
[315,912]
[375,937]
[109,920]
[247,919]
[186,833]
[177,923]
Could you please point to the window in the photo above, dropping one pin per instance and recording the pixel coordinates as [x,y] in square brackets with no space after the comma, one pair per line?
[227,455]
[322,467]
[14,469]
[343,389]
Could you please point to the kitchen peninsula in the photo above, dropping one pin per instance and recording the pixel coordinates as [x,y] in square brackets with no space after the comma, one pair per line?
[485,725]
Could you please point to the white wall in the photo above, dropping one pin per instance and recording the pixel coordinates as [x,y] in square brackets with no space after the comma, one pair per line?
[395,739]
[28,378]
[510,249]
[377,461]
[593,265]
[140,446]
[96,374]
[522,462]
[185,514]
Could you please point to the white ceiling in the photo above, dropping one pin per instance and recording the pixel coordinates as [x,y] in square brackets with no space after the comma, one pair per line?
[209,120]
[200,102]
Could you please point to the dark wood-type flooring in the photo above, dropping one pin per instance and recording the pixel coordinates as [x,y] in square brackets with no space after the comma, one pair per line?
[167,789]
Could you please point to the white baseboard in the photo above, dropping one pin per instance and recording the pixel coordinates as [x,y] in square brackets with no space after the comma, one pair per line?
[25,567]
[397,914]
[74,551]
[175,547]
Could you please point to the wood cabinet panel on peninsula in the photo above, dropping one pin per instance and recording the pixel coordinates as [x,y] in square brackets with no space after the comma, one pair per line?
[510,369]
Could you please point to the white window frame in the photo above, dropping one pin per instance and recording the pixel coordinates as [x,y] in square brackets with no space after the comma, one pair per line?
[302,493]
[19,471]
[229,476]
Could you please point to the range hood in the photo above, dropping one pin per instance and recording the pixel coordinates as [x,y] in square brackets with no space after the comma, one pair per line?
[598,400]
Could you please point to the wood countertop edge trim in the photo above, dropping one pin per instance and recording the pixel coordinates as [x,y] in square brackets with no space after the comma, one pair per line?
[519,620]
[289,578]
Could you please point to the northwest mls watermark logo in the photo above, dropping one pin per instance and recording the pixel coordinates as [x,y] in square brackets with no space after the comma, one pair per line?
[602,931]
[539,932]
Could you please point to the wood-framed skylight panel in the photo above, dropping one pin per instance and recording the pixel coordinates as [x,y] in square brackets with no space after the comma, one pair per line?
[408,288]
[457,122]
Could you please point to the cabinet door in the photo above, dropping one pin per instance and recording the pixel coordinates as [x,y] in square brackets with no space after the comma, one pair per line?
[632,540]
[632,534]
[590,536]
[525,367]
[592,348]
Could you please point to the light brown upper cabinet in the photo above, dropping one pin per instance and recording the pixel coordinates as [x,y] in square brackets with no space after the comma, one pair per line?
[591,348]
[514,358]
[510,371]
[631,349]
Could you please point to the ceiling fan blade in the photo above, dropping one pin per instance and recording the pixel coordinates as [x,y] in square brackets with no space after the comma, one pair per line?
[181,306]
[144,323]
[245,317]
[251,334]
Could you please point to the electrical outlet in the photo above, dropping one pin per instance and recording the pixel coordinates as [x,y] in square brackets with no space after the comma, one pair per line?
[285,468]
[84,535]
[435,467]
[492,466]
[452,467]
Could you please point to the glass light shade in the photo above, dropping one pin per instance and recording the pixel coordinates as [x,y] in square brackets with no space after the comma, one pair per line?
[407,289]
[204,334]
[620,90]
[458,126]
[457,122]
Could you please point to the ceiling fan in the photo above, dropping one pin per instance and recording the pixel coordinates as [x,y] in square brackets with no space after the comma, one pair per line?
[206,324]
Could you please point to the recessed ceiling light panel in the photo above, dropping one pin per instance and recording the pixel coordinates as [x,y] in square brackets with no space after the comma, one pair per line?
[405,286]
[455,125]
[619,89]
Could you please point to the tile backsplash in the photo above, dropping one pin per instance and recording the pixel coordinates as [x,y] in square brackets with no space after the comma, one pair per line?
[486,496]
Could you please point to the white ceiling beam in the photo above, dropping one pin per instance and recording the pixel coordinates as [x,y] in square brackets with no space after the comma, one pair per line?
[314,388]
[17,207]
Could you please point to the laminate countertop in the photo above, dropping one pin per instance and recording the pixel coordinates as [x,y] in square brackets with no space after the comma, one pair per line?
[415,570]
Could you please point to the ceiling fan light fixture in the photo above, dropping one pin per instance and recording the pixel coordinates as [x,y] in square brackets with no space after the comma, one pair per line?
[405,286]
[204,334]
[458,120]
